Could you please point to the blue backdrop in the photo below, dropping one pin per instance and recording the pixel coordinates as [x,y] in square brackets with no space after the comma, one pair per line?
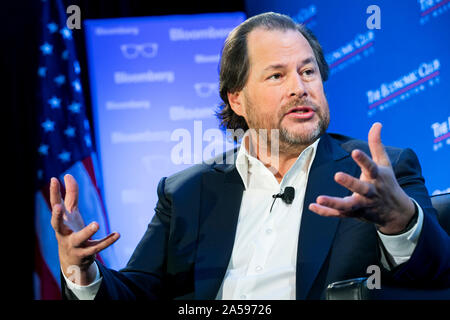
[398,74]
[154,84]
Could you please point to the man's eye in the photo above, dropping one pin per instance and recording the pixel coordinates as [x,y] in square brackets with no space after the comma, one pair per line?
[275,76]
[309,72]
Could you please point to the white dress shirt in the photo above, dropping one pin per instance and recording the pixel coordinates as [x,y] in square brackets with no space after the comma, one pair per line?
[264,257]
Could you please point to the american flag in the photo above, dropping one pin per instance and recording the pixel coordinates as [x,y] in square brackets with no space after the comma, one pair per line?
[65,146]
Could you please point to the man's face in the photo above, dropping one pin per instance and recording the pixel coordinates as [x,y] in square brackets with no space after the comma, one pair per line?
[284,89]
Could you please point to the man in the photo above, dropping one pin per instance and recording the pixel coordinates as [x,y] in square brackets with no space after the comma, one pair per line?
[218,231]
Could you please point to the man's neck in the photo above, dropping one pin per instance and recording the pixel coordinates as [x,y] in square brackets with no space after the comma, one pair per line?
[277,161]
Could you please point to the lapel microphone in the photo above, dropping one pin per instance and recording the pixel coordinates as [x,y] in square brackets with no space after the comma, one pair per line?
[287,196]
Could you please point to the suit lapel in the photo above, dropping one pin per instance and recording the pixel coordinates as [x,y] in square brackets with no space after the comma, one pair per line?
[222,190]
[221,195]
[317,232]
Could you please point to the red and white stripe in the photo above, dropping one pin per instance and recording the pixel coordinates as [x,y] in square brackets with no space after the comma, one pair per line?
[47,269]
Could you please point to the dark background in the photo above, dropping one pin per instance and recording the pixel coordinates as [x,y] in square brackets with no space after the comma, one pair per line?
[19,62]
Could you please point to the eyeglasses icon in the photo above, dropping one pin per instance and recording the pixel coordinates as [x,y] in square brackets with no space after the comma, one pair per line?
[206,89]
[132,51]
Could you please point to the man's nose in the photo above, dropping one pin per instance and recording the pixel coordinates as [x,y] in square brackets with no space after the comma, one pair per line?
[297,86]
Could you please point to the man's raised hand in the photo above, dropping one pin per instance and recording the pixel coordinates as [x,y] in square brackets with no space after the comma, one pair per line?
[75,247]
[377,197]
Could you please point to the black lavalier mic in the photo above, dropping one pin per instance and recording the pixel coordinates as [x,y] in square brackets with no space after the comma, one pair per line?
[287,196]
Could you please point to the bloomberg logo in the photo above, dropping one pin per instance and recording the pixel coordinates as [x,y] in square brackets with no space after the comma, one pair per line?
[180,34]
[403,87]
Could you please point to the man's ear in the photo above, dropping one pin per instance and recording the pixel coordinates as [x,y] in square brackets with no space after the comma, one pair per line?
[235,100]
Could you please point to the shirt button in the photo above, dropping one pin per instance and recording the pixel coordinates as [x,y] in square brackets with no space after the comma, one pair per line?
[268,231]
[258,268]
[243,297]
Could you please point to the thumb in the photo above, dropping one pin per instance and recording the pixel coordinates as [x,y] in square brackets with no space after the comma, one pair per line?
[376,147]
[71,199]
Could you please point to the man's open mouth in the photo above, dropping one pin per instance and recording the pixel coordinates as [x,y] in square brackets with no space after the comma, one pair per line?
[303,109]
[302,112]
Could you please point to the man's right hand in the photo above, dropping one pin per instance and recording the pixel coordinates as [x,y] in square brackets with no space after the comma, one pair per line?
[76,250]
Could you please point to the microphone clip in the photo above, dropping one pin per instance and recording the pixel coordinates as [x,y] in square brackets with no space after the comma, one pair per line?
[287,196]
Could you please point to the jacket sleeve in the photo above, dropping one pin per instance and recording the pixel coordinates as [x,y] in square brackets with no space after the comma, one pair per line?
[429,265]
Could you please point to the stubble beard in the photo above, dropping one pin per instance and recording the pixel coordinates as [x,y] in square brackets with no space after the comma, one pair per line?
[305,139]
[289,142]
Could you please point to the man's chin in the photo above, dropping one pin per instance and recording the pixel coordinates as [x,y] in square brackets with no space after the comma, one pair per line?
[305,136]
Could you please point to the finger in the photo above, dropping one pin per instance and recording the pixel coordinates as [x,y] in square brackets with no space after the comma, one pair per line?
[84,234]
[57,220]
[71,200]
[368,167]
[346,204]
[114,235]
[324,211]
[376,147]
[55,193]
[102,244]
[363,188]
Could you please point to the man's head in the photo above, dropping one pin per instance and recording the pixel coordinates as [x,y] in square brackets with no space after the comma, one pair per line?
[271,77]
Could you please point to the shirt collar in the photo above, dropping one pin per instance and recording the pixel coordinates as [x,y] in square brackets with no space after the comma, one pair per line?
[245,161]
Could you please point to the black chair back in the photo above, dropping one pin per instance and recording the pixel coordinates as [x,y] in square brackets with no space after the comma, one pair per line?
[441,202]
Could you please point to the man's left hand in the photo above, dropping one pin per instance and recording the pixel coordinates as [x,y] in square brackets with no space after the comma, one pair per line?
[377,197]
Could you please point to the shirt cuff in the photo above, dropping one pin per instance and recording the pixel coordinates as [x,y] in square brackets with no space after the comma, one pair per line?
[400,247]
[85,292]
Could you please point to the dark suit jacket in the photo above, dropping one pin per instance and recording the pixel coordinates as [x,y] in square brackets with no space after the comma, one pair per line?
[185,252]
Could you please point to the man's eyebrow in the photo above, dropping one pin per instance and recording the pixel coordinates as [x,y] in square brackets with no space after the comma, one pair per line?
[282,65]
[308,60]
[275,66]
